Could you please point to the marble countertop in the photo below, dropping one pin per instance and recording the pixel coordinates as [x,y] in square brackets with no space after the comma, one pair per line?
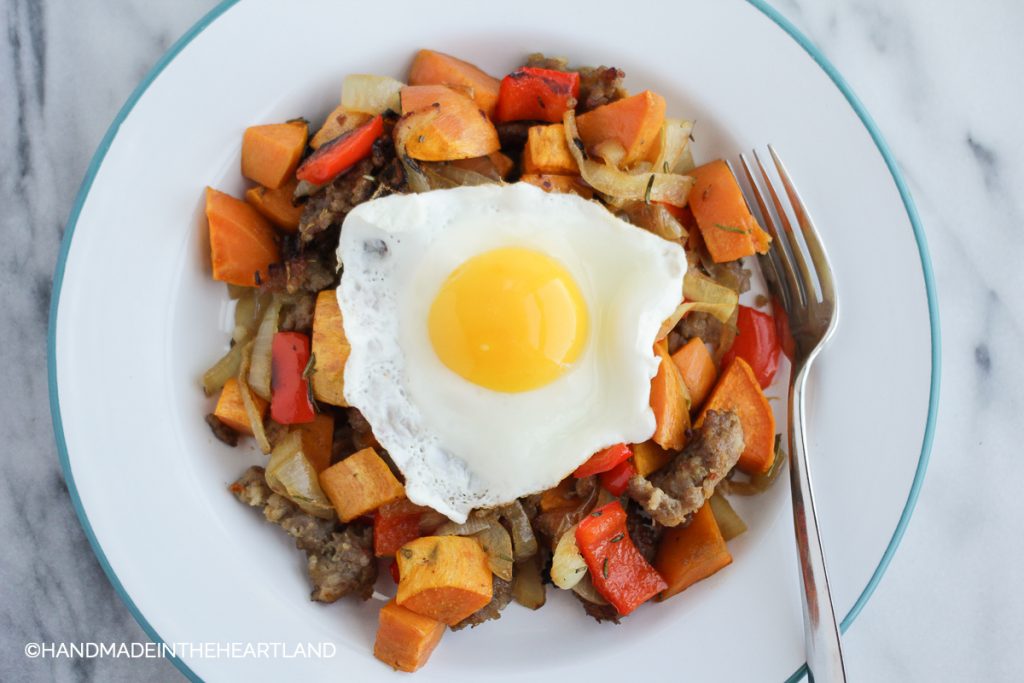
[941,79]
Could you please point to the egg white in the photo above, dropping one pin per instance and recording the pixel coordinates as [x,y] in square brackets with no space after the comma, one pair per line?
[459,445]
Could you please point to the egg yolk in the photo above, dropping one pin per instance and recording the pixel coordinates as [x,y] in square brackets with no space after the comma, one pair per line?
[510,319]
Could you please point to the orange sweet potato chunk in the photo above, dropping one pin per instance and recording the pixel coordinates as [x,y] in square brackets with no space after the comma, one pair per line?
[697,369]
[443,577]
[436,68]
[360,483]
[276,205]
[739,391]
[441,124]
[729,230]
[271,153]
[405,639]
[242,242]
[546,151]
[634,122]
[231,411]
[668,401]
[687,554]
[331,349]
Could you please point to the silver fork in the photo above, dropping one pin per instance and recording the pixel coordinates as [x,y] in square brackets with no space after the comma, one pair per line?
[807,294]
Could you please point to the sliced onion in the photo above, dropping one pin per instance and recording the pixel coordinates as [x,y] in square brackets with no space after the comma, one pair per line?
[567,564]
[522,531]
[255,419]
[371,94]
[223,370]
[759,483]
[474,524]
[442,176]
[654,218]
[238,291]
[729,523]
[290,474]
[527,584]
[659,187]
[675,138]
[262,351]
[610,151]
[701,293]
[585,589]
[498,545]
[685,163]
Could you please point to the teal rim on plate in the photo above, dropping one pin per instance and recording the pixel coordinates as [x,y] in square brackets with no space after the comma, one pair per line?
[764,7]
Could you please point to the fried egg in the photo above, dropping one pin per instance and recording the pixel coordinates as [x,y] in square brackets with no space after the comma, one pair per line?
[500,336]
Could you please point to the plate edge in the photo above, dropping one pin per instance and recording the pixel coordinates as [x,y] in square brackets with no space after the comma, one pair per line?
[765,8]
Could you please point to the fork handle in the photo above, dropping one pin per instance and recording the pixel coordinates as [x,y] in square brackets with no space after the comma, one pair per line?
[821,634]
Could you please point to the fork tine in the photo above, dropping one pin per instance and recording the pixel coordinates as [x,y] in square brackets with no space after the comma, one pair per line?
[794,246]
[810,233]
[785,275]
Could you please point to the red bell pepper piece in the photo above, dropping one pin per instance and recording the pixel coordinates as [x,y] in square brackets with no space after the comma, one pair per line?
[337,156]
[529,94]
[602,461]
[620,573]
[616,480]
[289,390]
[394,525]
[757,343]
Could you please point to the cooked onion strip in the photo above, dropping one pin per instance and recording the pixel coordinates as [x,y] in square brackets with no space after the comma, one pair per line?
[371,94]
[498,545]
[262,351]
[675,137]
[527,585]
[759,483]
[290,474]
[729,523]
[523,538]
[585,589]
[606,179]
[255,419]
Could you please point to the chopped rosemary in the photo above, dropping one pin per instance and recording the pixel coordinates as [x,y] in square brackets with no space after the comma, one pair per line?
[604,568]
[617,538]
[731,228]
[310,368]
[596,513]
[580,146]
[647,192]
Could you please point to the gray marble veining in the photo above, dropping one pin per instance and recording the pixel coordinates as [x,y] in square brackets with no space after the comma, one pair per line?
[941,79]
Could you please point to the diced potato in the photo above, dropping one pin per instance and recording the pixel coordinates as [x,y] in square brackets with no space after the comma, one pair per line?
[231,411]
[546,151]
[405,639]
[649,457]
[331,349]
[687,554]
[443,577]
[360,484]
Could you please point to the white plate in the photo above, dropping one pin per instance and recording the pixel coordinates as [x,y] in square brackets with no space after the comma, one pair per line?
[135,321]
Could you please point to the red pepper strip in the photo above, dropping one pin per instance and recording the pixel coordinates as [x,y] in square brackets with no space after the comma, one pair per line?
[602,461]
[392,531]
[337,156]
[394,570]
[617,478]
[289,390]
[620,573]
[757,343]
[529,94]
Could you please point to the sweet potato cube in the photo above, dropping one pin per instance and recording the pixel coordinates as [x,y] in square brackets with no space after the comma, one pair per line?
[546,151]
[728,228]
[697,369]
[405,639]
[271,153]
[441,124]
[276,205]
[560,497]
[317,441]
[634,122]
[359,484]
[649,457]
[562,184]
[242,242]
[443,577]
[739,391]
[331,349]
[436,68]
[668,401]
[687,554]
[231,411]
